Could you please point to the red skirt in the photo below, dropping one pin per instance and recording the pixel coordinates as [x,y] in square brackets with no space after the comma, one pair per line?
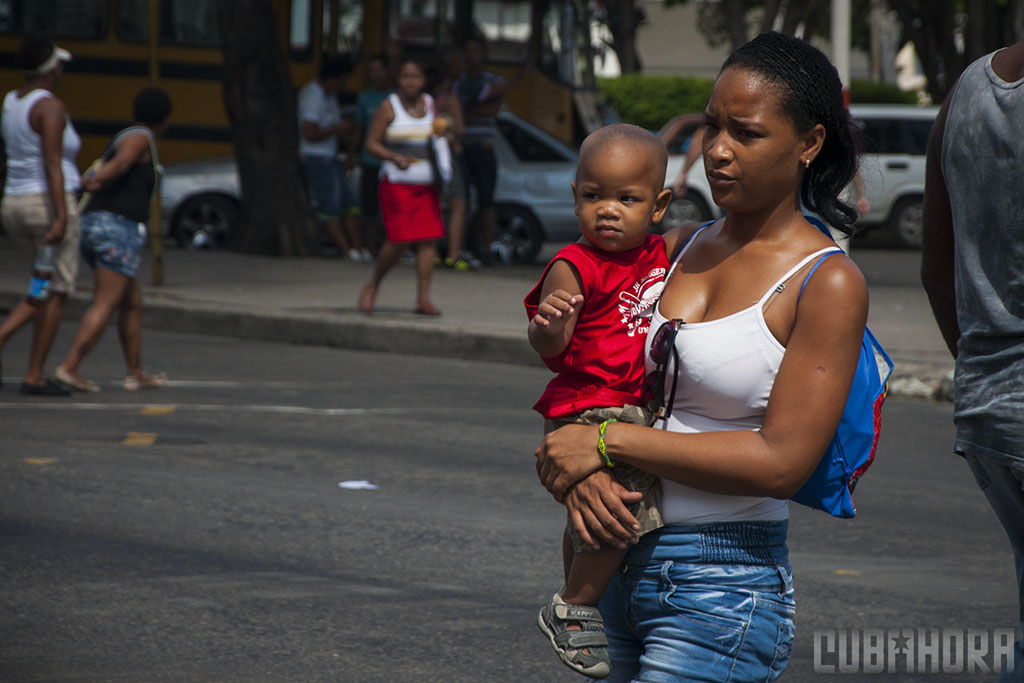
[411,213]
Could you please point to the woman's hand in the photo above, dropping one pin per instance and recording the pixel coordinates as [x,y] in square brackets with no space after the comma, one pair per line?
[55,235]
[567,455]
[91,184]
[597,508]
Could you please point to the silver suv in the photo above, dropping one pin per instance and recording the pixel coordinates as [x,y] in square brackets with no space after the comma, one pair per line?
[892,169]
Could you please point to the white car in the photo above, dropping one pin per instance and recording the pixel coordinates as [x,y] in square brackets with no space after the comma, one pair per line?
[892,169]
[533,199]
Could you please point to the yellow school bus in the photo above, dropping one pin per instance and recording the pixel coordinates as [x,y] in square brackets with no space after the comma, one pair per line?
[121,46]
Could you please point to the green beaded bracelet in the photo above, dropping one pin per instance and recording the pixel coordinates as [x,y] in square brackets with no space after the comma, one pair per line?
[601,448]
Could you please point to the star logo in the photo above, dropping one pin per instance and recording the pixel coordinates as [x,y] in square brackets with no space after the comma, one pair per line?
[901,644]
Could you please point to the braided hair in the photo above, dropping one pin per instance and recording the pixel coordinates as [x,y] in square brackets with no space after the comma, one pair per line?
[812,94]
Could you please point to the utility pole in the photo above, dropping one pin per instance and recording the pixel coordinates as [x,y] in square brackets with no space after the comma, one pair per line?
[841,59]
[841,43]
[156,230]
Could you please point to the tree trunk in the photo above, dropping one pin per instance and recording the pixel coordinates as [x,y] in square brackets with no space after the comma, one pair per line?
[930,27]
[260,102]
[736,18]
[771,11]
[622,21]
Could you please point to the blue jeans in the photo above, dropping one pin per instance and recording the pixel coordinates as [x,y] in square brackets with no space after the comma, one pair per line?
[1003,484]
[708,602]
[328,186]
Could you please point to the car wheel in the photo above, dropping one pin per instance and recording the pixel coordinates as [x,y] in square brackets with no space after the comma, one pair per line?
[689,208]
[518,236]
[206,220]
[907,221]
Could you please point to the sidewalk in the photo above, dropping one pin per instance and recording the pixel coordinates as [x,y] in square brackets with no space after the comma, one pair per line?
[312,301]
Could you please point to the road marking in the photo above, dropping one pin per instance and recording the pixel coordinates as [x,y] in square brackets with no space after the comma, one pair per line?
[139,439]
[847,572]
[208,407]
[157,410]
[238,384]
[40,461]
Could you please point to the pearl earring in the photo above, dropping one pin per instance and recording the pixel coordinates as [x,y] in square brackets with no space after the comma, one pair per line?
[807,163]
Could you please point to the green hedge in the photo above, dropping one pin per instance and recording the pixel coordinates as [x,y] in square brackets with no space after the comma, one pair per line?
[870,92]
[649,101]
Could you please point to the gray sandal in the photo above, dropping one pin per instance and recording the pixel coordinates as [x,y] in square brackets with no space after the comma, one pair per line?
[554,619]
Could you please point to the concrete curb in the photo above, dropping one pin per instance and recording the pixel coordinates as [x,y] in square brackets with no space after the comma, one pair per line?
[424,338]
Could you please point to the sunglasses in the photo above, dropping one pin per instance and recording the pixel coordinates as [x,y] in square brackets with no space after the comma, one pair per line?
[663,346]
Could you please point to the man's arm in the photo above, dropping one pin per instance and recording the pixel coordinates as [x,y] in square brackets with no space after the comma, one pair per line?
[937,274]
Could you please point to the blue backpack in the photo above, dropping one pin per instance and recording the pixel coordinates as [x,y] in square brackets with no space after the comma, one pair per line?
[852,450]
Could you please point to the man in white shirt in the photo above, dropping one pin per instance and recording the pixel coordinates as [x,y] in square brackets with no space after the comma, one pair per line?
[321,125]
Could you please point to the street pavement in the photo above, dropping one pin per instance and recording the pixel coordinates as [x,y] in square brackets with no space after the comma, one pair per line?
[313,301]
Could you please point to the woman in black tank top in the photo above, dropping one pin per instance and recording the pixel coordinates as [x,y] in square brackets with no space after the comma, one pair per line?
[113,232]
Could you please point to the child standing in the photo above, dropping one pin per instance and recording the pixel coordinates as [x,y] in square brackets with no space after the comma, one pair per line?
[589,317]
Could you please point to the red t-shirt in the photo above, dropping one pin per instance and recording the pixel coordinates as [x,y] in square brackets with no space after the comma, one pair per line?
[603,364]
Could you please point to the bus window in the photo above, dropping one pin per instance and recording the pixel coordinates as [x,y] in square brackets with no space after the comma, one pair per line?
[84,20]
[348,28]
[417,23]
[565,47]
[506,28]
[182,22]
[300,31]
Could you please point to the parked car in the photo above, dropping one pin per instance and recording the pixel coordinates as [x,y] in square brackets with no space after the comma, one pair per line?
[533,199]
[892,169]
[200,201]
[696,206]
[893,166]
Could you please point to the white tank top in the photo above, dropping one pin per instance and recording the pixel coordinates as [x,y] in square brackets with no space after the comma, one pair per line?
[410,136]
[726,371]
[26,172]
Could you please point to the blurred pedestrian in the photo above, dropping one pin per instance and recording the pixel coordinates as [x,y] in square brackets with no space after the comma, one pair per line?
[378,87]
[456,258]
[321,126]
[972,266]
[393,53]
[114,228]
[481,94]
[692,155]
[400,136]
[38,206]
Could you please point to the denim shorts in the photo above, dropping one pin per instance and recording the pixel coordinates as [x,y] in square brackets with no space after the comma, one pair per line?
[329,189]
[112,242]
[708,602]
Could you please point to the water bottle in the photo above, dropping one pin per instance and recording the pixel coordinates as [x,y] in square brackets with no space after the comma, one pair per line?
[42,274]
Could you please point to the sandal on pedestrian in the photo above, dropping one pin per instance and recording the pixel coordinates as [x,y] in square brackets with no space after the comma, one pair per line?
[67,379]
[144,381]
[47,388]
[427,309]
[584,651]
[366,297]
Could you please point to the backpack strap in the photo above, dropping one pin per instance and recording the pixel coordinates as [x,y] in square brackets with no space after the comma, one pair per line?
[817,263]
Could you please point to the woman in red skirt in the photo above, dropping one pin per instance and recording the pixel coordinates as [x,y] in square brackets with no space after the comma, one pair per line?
[409,203]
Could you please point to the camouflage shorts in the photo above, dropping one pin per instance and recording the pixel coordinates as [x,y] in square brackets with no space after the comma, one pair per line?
[648,510]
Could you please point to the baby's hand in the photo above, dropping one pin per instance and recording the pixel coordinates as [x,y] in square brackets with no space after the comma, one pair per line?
[556,310]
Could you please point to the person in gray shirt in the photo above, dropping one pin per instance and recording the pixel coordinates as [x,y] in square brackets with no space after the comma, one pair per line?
[973,270]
